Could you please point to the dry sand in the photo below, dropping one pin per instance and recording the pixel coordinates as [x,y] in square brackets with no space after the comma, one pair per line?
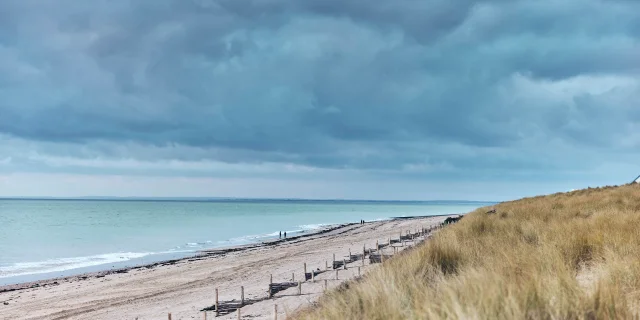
[187,286]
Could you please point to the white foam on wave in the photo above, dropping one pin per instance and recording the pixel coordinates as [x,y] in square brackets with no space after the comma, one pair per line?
[63,264]
[258,237]
[313,226]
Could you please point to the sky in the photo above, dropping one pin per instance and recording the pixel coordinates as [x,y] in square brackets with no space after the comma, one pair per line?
[349,99]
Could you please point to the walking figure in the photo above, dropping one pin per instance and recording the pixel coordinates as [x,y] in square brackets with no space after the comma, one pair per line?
[285,234]
[280,235]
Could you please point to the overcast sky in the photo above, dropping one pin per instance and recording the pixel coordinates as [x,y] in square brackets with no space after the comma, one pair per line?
[402,99]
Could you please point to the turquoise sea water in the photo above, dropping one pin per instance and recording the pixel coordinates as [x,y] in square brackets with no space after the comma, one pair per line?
[48,238]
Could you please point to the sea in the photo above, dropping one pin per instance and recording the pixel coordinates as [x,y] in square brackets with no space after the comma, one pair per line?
[43,239]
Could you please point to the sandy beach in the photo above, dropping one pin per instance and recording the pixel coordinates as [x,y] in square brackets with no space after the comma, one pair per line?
[185,287]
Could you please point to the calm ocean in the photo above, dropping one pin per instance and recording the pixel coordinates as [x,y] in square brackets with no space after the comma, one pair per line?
[49,238]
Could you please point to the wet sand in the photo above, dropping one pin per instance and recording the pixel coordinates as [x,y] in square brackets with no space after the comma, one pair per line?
[186,286]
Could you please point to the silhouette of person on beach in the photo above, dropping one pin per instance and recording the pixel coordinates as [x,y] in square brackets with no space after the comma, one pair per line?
[285,234]
[280,234]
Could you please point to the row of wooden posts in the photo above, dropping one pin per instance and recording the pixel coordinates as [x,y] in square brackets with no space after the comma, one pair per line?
[276,287]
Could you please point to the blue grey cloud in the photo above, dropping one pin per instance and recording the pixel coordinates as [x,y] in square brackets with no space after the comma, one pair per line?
[414,89]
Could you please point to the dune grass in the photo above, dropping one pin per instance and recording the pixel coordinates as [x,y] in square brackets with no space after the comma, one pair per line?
[564,256]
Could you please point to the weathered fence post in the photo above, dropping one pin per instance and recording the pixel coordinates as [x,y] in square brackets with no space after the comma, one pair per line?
[270,285]
[293,276]
[326,286]
[336,274]
[326,265]
[238,314]
[313,276]
[241,295]
[299,287]
[169,315]
[275,312]
[305,271]
[358,271]
[344,263]
[217,309]
[377,245]
[204,315]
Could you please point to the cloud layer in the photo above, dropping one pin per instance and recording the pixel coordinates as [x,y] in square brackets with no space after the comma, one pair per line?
[440,91]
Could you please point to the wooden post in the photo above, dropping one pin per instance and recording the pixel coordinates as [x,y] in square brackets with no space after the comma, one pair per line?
[377,245]
[363,259]
[217,309]
[169,315]
[326,265]
[358,271]
[299,287]
[325,284]
[241,295]
[389,241]
[305,271]
[204,315]
[238,314]
[313,276]
[293,276]
[381,257]
[270,283]
[349,253]
[334,259]
[275,312]
[344,263]
[336,274]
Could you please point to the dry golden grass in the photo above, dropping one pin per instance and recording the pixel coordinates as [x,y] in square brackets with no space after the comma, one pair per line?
[564,256]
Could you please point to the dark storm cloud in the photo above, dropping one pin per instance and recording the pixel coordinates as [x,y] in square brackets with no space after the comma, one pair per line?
[447,86]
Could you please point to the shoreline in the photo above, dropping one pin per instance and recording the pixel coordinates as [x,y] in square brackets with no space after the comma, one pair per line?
[196,255]
[184,286]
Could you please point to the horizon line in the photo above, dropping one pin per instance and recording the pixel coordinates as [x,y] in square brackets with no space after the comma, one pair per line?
[214,199]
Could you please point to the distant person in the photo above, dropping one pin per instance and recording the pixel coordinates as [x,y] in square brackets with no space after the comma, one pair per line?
[285,234]
[280,235]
